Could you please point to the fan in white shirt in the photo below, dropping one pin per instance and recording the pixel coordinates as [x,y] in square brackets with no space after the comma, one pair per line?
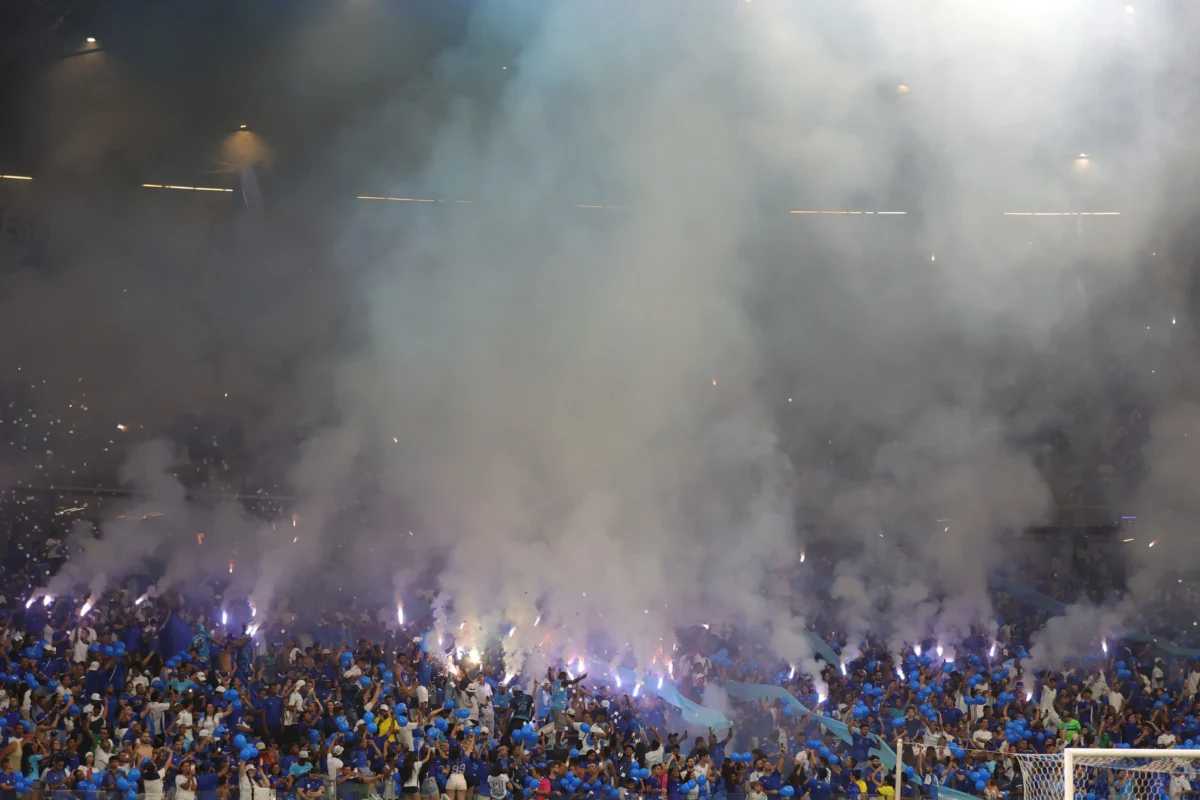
[295,705]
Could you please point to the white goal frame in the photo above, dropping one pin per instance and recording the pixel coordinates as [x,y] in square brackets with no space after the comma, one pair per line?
[1069,754]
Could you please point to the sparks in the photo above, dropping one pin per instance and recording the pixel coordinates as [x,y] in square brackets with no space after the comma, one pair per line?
[1153,543]
[1028,696]
[671,668]
[231,566]
[295,539]
[579,665]
[939,651]
[792,674]
[899,672]
[843,668]
[294,518]
[637,689]
[917,650]
[820,698]
[199,538]
[618,680]
[802,556]
[1104,645]
[224,617]
[660,681]
[396,439]
[992,651]
[537,621]
[253,611]
[253,629]
[30,602]
[83,612]
[400,613]
[704,625]
[122,428]
[140,600]
[512,631]
[439,638]
[47,600]
[714,381]
[473,656]
[508,678]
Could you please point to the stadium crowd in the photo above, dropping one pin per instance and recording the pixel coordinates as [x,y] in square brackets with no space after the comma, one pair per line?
[149,695]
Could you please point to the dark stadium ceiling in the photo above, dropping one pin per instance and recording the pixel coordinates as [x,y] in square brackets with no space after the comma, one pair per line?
[152,99]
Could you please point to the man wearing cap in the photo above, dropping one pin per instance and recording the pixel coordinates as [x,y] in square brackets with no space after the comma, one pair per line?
[334,764]
[185,781]
[251,785]
[291,713]
[520,710]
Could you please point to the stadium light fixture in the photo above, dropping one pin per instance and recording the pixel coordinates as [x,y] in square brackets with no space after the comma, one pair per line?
[91,40]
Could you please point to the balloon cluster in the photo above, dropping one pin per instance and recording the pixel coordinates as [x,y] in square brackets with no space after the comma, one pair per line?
[1018,729]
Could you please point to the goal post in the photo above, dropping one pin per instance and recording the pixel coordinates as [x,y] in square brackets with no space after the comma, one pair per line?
[1122,773]
[1075,773]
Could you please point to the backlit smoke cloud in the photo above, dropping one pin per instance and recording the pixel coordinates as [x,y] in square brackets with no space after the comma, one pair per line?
[579,404]
[609,416]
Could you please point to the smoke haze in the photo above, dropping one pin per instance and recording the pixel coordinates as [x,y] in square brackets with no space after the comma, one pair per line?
[610,387]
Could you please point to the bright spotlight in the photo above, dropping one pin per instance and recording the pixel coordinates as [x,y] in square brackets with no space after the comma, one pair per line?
[1129,9]
[243,127]
[91,40]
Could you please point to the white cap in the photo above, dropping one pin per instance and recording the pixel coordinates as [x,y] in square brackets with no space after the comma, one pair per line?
[300,684]
[96,697]
[92,667]
[337,750]
[383,707]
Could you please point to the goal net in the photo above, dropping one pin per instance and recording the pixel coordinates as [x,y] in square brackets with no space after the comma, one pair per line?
[1105,774]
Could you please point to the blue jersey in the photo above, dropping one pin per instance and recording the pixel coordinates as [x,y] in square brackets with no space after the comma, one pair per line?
[558,696]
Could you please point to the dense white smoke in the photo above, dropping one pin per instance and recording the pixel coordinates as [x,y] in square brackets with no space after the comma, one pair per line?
[601,390]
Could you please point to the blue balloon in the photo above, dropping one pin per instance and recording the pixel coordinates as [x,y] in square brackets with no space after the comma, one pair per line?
[824,751]
[364,681]
[980,786]
[448,705]
[372,729]
[239,741]
[343,726]
[787,791]
[402,722]
[135,774]
[574,753]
